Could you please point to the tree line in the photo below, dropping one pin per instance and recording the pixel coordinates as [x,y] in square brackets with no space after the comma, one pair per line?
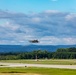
[61,53]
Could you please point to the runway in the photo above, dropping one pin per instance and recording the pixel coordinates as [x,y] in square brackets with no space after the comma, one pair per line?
[37,65]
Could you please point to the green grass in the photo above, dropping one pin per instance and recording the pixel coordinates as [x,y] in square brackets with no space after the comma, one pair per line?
[51,61]
[42,71]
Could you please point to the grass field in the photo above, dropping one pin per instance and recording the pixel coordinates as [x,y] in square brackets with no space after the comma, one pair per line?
[36,71]
[51,61]
[39,71]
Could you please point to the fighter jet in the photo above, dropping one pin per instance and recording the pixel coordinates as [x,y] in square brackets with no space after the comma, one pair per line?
[34,41]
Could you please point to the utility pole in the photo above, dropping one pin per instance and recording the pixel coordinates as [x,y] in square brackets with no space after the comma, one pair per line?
[35,41]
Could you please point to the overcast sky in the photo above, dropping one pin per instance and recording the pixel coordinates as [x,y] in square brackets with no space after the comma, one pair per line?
[52,22]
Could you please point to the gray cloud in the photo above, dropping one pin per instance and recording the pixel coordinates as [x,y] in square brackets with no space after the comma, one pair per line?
[19,28]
